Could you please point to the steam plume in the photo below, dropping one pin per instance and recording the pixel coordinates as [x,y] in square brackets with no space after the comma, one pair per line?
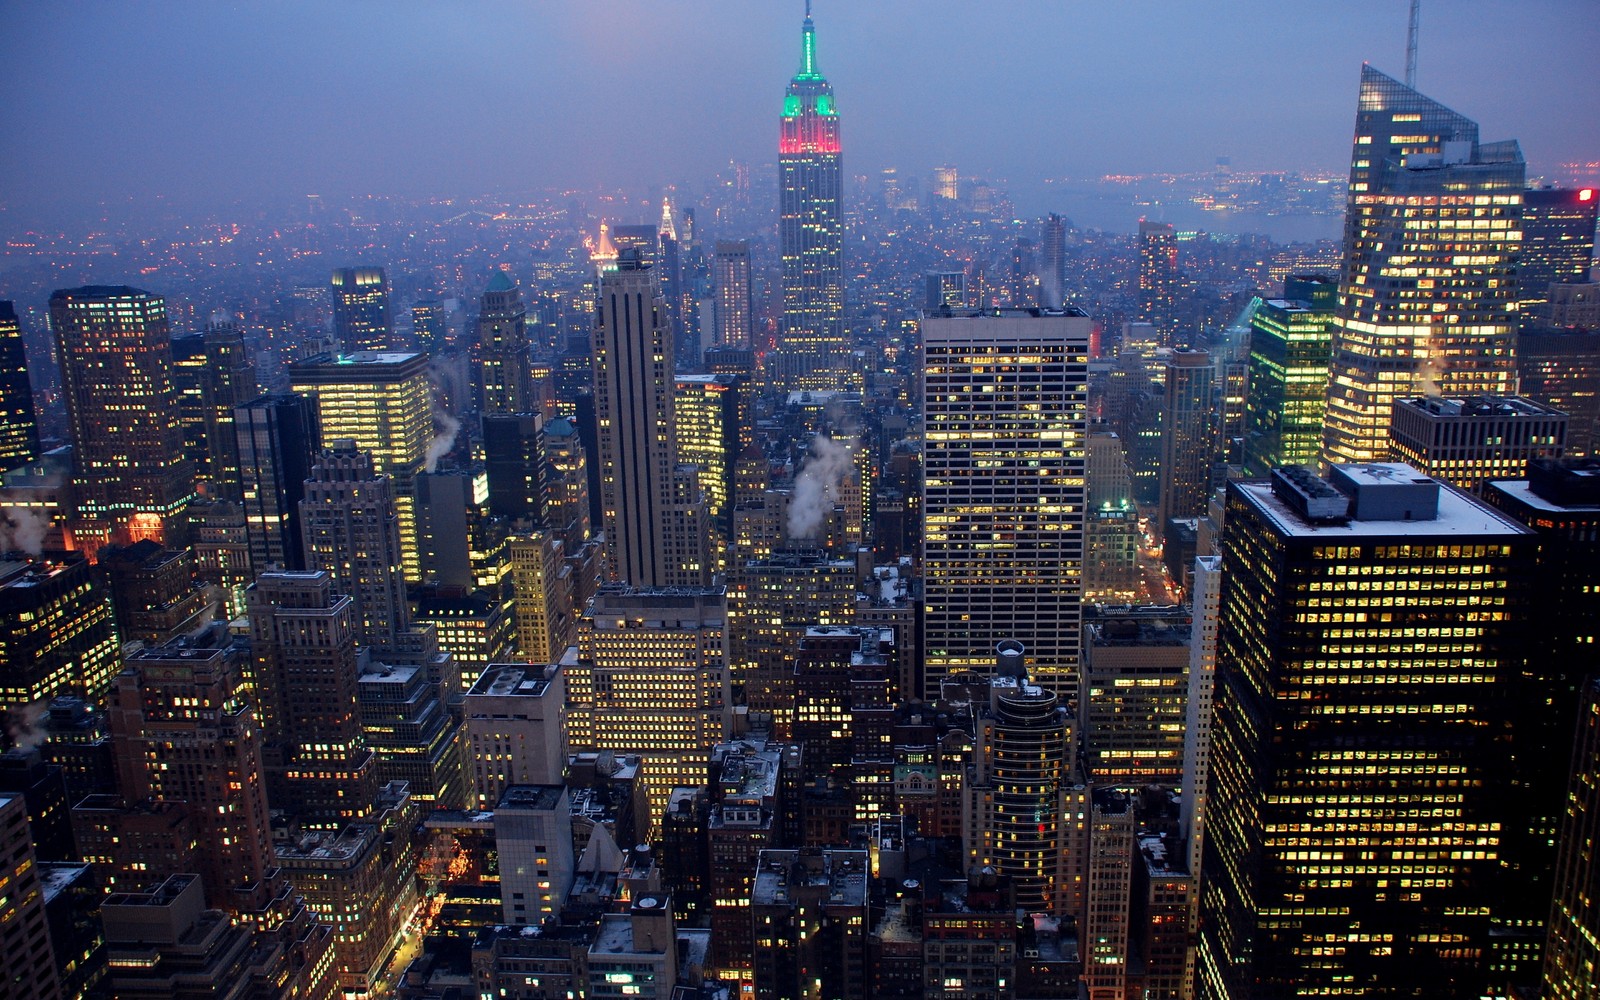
[816,487]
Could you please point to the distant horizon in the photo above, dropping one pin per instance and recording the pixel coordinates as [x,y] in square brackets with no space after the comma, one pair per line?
[202,107]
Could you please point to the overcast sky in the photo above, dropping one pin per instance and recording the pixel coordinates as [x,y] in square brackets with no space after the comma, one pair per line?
[212,102]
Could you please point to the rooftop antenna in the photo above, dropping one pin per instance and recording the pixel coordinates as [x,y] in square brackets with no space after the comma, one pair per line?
[808,8]
[1411,43]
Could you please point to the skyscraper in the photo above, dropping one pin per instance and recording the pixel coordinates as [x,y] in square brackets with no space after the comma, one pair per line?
[1186,435]
[305,676]
[735,301]
[1428,294]
[1158,277]
[1288,382]
[655,520]
[1557,247]
[1572,957]
[382,401]
[1053,262]
[350,530]
[1362,754]
[116,370]
[501,352]
[277,436]
[1004,495]
[810,214]
[19,427]
[361,317]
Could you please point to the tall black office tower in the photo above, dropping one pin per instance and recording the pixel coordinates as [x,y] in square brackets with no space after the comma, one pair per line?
[277,436]
[19,429]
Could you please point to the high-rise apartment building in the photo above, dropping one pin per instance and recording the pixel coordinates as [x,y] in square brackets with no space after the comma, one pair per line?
[810,214]
[361,317]
[24,928]
[1557,247]
[1134,695]
[655,520]
[500,354]
[1158,278]
[735,295]
[1290,343]
[1428,293]
[707,412]
[132,475]
[19,425]
[1004,457]
[383,402]
[1360,799]
[277,437]
[1187,435]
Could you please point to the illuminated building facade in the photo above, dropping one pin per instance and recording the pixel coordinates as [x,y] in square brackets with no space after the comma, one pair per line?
[1557,247]
[735,294]
[213,373]
[1560,501]
[19,426]
[361,880]
[811,915]
[1572,954]
[430,326]
[652,679]
[277,437]
[501,352]
[361,317]
[411,732]
[57,635]
[382,401]
[1428,294]
[655,520]
[1158,278]
[24,931]
[810,215]
[305,678]
[1359,789]
[1024,801]
[1290,343]
[129,461]
[1134,696]
[707,413]
[1472,441]
[184,729]
[1004,495]
[350,530]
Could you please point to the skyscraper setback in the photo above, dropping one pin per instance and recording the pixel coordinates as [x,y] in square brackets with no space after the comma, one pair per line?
[810,215]
[1428,294]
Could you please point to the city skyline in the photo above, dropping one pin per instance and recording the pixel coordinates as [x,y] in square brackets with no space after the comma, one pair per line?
[256,106]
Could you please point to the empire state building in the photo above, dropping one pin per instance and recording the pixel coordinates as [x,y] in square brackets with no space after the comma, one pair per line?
[810,223]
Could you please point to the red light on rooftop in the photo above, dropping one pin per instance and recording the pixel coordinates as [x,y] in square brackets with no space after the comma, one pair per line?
[1587,194]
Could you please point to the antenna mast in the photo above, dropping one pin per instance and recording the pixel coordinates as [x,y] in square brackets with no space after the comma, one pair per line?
[1411,44]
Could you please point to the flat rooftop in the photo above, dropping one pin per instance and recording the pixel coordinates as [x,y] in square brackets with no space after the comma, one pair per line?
[1459,515]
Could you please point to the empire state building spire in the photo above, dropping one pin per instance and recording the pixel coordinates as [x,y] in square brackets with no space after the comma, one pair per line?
[811,222]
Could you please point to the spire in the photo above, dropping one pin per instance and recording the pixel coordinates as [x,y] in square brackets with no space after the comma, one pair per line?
[808,48]
[668,229]
[605,255]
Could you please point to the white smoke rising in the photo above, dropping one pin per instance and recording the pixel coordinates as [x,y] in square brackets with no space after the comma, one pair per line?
[817,486]
[23,529]
[442,442]
[24,725]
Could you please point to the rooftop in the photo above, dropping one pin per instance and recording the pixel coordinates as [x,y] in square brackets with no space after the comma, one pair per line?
[1459,515]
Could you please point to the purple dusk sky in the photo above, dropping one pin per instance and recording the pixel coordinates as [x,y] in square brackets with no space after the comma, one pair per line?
[210,103]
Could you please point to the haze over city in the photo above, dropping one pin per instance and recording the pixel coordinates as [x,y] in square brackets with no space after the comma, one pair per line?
[206,105]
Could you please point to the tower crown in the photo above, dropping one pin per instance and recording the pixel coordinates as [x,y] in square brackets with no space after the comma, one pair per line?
[810,120]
